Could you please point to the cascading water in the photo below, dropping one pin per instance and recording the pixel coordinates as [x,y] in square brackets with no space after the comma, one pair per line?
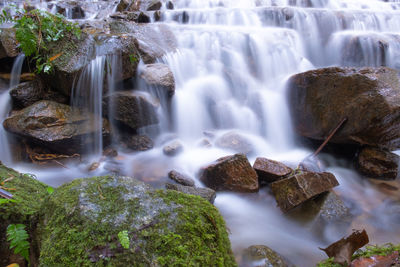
[230,69]
[5,107]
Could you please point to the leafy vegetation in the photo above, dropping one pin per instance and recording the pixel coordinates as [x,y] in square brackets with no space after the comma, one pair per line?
[18,238]
[329,263]
[383,250]
[35,30]
[124,239]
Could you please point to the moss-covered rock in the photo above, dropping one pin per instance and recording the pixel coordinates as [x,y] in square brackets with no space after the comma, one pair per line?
[28,195]
[80,223]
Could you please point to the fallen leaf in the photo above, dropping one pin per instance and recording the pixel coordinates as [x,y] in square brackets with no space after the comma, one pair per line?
[342,250]
[55,57]
[13,265]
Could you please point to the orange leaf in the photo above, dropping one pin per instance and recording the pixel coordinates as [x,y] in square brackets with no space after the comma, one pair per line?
[13,265]
[55,57]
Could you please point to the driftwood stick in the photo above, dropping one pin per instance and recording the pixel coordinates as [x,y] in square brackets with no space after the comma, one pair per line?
[5,194]
[332,133]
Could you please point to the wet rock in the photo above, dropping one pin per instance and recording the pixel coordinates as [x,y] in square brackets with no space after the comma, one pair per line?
[205,193]
[269,171]
[154,5]
[138,142]
[231,173]
[174,148]
[131,109]
[292,191]
[263,256]
[76,54]
[27,93]
[8,43]
[368,97]
[70,10]
[378,163]
[56,126]
[160,76]
[93,208]
[170,5]
[181,178]
[235,142]
[153,40]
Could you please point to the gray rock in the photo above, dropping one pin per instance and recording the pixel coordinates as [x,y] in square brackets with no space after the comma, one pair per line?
[174,148]
[181,178]
[27,93]
[56,126]
[8,43]
[378,163]
[263,256]
[159,75]
[205,193]
[235,142]
[132,109]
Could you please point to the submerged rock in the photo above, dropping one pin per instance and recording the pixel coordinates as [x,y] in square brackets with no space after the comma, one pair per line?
[269,171]
[368,97]
[164,227]
[205,193]
[263,256]
[231,173]
[378,163]
[181,178]
[131,109]
[172,149]
[160,76]
[56,126]
[294,190]
[236,142]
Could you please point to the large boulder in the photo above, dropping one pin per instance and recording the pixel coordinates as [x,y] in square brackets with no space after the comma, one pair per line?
[56,126]
[269,171]
[368,97]
[231,173]
[153,40]
[74,55]
[294,190]
[81,221]
[132,109]
[8,43]
[378,163]
[159,76]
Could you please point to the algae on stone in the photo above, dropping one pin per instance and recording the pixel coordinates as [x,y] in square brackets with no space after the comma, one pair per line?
[81,221]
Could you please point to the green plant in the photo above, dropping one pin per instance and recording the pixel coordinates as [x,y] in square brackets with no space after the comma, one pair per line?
[18,238]
[35,30]
[124,239]
[370,251]
[329,263]
[5,201]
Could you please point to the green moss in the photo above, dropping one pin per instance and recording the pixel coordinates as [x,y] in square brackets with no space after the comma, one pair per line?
[82,219]
[329,263]
[28,194]
[383,250]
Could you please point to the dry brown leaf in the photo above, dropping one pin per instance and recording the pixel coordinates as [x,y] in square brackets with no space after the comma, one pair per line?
[343,249]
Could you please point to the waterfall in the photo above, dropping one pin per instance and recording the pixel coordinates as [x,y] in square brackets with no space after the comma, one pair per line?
[5,108]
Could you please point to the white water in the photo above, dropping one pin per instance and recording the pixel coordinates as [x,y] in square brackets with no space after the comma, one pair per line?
[5,108]
[231,65]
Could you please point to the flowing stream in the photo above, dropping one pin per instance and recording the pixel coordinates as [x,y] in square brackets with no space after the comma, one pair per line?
[230,68]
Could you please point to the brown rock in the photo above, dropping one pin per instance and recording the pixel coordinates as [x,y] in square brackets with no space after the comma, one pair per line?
[231,173]
[269,170]
[368,97]
[132,109]
[292,191]
[263,256]
[138,142]
[159,75]
[56,126]
[378,163]
[205,193]
[8,43]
